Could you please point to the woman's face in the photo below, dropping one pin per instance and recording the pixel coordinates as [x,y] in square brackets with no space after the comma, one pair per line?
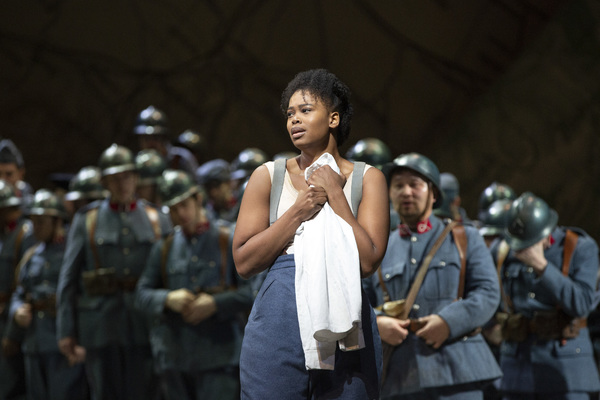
[308,120]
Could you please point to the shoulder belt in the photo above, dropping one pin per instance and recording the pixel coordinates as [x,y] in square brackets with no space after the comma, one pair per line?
[24,260]
[279,176]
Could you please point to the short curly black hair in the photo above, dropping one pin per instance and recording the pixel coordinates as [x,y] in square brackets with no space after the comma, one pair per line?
[325,87]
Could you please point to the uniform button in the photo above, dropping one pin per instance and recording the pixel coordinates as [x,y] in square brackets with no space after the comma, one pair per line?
[531,295]
[100,240]
[413,239]
[40,314]
[442,263]
[530,270]
[194,258]
[125,231]
[578,350]
[416,306]
[464,338]
[212,264]
[413,261]
[387,276]
[126,251]
[126,271]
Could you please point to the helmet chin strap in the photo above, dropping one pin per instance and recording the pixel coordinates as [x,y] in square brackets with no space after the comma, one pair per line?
[422,215]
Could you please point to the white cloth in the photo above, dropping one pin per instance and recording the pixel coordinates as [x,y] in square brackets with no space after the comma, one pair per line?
[328,287]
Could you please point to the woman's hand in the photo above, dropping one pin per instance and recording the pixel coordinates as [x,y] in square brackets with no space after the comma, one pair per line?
[326,178]
[309,202]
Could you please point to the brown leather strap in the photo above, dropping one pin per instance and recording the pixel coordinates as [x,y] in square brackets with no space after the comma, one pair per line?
[501,254]
[91,218]
[568,249]
[460,238]
[223,246]
[414,289]
[164,253]
[24,260]
[386,294]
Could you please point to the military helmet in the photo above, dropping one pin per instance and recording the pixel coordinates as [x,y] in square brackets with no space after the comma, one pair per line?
[420,164]
[247,161]
[530,220]
[212,171]
[150,165]
[47,203]
[495,191]
[116,159]
[451,189]
[10,154]
[496,218]
[175,186]
[370,150]
[8,195]
[191,139]
[151,121]
[86,184]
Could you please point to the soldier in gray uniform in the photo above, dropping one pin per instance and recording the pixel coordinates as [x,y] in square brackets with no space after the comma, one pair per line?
[191,289]
[215,178]
[85,187]
[49,374]
[107,248]
[548,282]
[436,286]
[12,170]
[153,130]
[150,165]
[16,236]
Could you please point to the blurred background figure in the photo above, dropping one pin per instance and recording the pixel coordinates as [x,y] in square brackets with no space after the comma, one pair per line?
[194,142]
[153,131]
[85,187]
[495,191]
[150,166]
[244,164]
[370,150]
[495,221]
[12,170]
[215,177]
[451,205]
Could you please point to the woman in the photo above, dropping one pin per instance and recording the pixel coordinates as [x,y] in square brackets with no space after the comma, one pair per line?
[316,104]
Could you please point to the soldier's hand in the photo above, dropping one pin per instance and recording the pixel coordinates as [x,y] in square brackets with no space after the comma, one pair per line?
[202,308]
[435,332]
[393,331]
[23,315]
[179,300]
[533,256]
[67,346]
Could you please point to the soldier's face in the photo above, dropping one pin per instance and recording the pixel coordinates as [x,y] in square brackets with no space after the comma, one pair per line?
[411,196]
[121,186]
[185,214]
[11,173]
[43,227]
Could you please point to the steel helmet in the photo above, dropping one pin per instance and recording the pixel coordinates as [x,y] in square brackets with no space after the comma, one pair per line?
[116,159]
[151,121]
[213,171]
[450,188]
[370,150]
[47,203]
[10,154]
[496,191]
[420,164]
[530,220]
[8,195]
[191,139]
[495,219]
[247,161]
[86,184]
[150,165]
[175,185]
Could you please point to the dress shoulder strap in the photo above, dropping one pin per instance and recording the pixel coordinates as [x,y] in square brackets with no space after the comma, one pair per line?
[357,184]
[276,187]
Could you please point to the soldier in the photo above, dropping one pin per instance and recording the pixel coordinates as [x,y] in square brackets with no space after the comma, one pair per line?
[152,129]
[548,278]
[450,207]
[194,142]
[435,287]
[12,170]
[214,176]
[495,221]
[244,164]
[107,247]
[85,187]
[150,165]
[190,286]
[49,375]
[16,236]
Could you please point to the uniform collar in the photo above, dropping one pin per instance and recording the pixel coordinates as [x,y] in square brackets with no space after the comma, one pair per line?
[422,227]
[123,207]
[201,228]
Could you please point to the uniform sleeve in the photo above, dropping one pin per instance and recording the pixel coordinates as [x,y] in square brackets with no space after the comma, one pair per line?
[68,281]
[574,293]
[482,291]
[150,293]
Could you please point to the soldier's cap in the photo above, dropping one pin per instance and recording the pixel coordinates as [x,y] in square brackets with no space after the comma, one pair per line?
[10,154]
[216,170]
[530,219]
